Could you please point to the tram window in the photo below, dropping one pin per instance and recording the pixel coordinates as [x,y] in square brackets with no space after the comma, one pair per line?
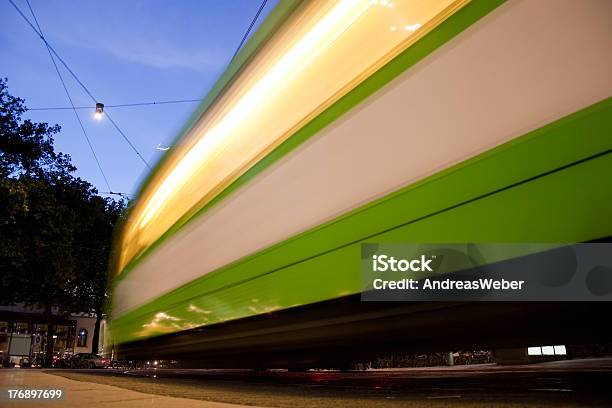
[534,351]
[560,350]
[547,351]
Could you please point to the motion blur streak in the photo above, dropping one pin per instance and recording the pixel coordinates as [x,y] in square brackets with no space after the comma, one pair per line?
[331,47]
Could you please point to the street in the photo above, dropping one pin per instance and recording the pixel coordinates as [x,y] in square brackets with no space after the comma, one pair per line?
[88,393]
[572,383]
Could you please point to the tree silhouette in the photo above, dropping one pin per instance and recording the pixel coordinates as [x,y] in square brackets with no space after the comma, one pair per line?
[55,231]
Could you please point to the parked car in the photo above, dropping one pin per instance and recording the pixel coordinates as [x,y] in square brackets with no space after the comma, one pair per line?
[86,360]
[63,361]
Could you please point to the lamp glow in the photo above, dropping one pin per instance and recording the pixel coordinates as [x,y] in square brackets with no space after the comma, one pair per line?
[99,110]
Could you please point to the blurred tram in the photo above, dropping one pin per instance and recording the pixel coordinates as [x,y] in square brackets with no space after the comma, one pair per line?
[351,121]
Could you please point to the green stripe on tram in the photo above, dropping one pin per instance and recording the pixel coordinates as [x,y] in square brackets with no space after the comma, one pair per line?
[550,185]
[440,35]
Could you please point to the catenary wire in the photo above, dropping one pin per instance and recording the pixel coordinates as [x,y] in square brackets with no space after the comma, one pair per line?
[124,195]
[60,59]
[51,49]
[248,31]
[127,140]
[76,114]
[123,105]
[244,37]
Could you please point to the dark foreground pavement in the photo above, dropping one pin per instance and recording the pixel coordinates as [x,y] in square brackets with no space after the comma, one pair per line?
[89,394]
[554,384]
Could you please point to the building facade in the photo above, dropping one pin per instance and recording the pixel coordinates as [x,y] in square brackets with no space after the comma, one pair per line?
[24,333]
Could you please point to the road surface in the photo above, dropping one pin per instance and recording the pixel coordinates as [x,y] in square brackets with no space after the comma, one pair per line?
[577,383]
[90,394]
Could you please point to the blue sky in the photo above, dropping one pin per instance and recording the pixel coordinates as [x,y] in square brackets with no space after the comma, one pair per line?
[124,52]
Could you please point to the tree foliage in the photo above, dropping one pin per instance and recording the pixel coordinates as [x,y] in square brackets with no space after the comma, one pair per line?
[55,230]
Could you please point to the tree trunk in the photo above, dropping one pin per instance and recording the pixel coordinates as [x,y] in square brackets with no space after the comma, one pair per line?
[50,340]
[96,333]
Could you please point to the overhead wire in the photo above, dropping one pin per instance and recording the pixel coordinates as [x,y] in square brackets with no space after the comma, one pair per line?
[124,195]
[242,41]
[94,99]
[128,140]
[59,58]
[123,105]
[76,114]
[248,31]
[52,52]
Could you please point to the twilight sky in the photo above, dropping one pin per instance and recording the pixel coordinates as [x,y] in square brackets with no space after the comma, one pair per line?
[124,52]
